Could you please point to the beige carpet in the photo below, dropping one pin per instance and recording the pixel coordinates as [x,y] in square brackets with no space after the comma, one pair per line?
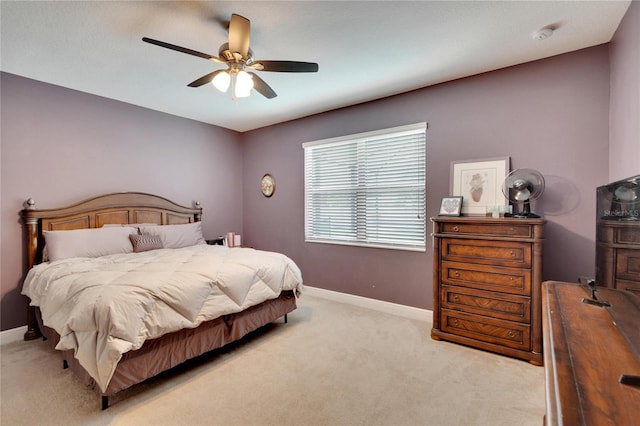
[332,364]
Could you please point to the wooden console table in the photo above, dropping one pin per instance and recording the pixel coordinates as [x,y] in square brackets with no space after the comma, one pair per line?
[592,355]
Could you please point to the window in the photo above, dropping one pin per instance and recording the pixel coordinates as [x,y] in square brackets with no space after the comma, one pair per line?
[367,189]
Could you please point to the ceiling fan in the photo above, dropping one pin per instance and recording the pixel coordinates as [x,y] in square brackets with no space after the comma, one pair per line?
[238,57]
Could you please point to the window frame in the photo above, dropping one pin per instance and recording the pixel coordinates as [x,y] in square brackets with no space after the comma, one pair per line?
[417,189]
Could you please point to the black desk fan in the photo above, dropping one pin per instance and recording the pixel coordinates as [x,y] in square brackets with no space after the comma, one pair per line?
[522,186]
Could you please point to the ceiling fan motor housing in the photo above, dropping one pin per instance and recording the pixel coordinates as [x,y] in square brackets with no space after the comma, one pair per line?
[225,53]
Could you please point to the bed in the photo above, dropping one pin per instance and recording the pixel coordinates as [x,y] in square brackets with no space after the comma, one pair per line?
[227,292]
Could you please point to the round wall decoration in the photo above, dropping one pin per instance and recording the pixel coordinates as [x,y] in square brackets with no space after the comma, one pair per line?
[268,185]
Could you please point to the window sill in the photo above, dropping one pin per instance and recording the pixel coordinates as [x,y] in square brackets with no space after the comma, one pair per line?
[369,245]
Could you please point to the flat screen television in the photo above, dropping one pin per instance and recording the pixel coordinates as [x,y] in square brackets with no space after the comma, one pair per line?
[619,200]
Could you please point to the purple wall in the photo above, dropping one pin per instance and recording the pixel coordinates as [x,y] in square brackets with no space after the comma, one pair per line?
[624,116]
[61,146]
[550,115]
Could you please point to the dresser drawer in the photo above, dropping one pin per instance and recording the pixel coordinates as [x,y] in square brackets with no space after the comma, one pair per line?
[489,229]
[496,253]
[628,265]
[632,286]
[487,277]
[618,233]
[503,306]
[628,236]
[491,330]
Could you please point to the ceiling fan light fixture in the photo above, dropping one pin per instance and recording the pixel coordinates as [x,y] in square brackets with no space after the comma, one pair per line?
[243,84]
[221,81]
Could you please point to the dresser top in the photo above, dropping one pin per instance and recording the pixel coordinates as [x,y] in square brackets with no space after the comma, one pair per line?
[501,220]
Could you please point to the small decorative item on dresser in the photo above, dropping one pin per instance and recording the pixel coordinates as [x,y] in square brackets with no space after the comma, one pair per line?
[450,206]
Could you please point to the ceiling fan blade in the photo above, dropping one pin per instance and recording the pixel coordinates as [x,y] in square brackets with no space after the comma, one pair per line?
[183,49]
[285,66]
[239,34]
[260,86]
[204,79]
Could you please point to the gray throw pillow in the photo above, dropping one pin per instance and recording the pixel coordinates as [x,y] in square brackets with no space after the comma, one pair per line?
[145,242]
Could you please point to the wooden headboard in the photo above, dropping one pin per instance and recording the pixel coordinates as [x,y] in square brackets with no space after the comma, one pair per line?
[118,208]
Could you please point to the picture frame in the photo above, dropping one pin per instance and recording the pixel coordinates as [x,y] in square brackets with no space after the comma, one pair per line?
[479,182]
[450,206]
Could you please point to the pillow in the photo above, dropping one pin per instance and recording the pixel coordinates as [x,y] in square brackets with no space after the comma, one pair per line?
[145,242]
[88,242]
[177,236]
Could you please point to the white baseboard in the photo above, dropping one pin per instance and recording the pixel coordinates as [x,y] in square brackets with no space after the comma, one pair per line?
[12,335]
[377,305]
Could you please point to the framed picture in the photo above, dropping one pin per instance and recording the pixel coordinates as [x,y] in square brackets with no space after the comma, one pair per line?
[479,182]
[450,206]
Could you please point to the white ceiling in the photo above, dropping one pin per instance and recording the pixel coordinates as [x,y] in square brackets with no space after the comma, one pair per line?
[366,50]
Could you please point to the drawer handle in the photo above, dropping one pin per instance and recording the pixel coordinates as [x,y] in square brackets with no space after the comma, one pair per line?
[512,334]
[513,253]
[456,274]
[456,298]
[456,229]
[454,321]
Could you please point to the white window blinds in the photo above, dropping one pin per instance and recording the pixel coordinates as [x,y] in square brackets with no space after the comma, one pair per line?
[367,189]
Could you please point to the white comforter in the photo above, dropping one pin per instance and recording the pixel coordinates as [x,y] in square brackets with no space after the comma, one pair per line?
[103,307]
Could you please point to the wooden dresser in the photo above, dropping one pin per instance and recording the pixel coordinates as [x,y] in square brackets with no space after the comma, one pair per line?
[592,354]
[486,284]
[618,254]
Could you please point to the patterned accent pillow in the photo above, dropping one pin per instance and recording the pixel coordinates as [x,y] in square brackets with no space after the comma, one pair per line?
[145,242]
